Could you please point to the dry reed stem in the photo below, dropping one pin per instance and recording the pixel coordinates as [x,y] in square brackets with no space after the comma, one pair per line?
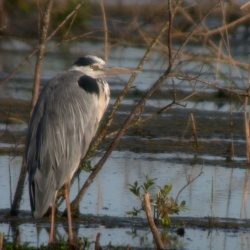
[68,17]
[247,128]
[144,36]
[227,45]
[151,222]
[214,85]
[25,59]
[193,32]
[244,210]
[160,111]
[208,33]
[105,31]
[218,62]
[245,8]
[225,27]
[97,241]
[214,57]
[194,130]
[1,241]
[223,58]
[41,50]
[70,25]
[207,58]
[187,184]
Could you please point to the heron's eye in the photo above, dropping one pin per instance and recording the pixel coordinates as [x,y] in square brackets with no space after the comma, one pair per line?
[93,66]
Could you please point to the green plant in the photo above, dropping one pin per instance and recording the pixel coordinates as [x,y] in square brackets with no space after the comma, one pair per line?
[164,204]
[16,246]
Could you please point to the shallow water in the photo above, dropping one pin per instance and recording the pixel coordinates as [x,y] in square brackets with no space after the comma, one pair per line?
[194,239]
[221,191]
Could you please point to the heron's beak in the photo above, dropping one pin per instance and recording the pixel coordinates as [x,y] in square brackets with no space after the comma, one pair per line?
[117,71]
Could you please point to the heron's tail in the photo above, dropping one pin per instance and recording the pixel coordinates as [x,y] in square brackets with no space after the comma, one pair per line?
[41,198]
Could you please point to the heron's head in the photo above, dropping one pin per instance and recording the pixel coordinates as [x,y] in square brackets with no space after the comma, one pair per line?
[95,67]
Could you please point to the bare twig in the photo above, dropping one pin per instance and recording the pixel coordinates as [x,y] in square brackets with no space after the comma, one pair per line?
[160,111]
[1,241]
[194,130]
[247,128]
[214,85]
[151,223]
[25,59]
[68,17]
[97,242]
[193,31]
[105,31]
[39,61]
[187,184]
[245,8]
[225,27]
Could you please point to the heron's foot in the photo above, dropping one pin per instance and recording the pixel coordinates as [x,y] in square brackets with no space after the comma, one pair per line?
[51,240]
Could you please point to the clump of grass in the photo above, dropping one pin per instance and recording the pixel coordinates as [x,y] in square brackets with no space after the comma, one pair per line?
[82,243]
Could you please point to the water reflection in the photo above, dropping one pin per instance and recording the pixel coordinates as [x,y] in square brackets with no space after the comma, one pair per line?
[207,239]
[222,191]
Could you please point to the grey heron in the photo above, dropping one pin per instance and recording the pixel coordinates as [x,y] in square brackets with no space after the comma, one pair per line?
[63,123]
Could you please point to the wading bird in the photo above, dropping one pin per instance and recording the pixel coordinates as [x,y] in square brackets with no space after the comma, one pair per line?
[63,123]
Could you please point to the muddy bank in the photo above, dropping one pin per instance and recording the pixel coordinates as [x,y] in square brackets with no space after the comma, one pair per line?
[169,132]
[93,221]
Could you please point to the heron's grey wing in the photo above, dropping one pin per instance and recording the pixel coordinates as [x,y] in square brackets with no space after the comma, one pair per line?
[62,126]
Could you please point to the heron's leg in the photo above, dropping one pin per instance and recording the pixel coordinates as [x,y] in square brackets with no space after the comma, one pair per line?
[67,188]
[52,225]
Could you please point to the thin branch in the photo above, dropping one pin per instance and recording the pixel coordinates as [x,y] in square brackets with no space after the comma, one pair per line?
[225,27]
[41,50]
[151,223]
[194,130]
[191,34]
[1,240]
[187,184]
[214,85]
[170,19]
[68,17]
[105,31]
[160,111]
